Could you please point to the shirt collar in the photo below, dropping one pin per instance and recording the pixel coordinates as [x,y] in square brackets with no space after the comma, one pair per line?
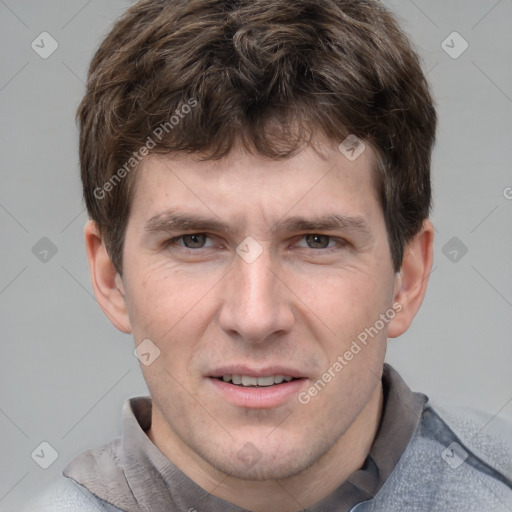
[133,475]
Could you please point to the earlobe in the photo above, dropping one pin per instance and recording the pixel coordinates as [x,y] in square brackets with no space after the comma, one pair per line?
[411,282]
[106,282]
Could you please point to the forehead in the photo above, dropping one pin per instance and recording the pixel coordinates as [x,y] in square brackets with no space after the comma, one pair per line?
[243,186]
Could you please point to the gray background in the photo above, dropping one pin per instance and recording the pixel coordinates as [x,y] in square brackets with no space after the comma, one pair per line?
[65,371]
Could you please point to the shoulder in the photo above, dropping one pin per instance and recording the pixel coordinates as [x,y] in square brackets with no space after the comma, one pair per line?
[65,495]
[488,437]
[456,461]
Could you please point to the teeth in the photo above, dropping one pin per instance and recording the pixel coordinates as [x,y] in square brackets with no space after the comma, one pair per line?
[265,381]
[249,381]
[246,380]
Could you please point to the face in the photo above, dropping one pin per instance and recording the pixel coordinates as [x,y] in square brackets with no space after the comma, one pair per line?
[247,270]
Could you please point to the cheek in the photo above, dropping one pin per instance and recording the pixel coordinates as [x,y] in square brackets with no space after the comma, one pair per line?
[353,349]
[346,301]
[174,310]
[163,298]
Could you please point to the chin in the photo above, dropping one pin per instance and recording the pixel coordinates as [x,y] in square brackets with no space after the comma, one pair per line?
[263,470]
[260,462]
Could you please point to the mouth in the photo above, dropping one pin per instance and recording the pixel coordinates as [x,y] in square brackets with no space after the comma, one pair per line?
[266,388]
[249,381]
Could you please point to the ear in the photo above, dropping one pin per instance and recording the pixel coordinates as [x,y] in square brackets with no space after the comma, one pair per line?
[411,282]
[106,282]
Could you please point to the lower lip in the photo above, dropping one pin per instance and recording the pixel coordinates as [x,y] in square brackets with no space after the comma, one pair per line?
[258,398]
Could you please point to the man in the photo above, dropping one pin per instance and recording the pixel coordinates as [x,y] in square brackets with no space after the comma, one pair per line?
[257,173]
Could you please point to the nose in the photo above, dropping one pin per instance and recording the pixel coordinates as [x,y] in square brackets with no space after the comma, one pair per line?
[257,305]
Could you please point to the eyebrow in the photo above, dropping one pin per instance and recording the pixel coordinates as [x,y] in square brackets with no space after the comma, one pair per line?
[171,221]
[324,223]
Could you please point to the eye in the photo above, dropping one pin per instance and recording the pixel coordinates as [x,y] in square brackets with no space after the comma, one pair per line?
[316,241]
[192,241]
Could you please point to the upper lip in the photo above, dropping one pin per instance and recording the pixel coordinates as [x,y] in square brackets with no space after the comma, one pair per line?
[268,371]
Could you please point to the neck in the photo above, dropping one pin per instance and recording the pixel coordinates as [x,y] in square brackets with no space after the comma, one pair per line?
[292,494]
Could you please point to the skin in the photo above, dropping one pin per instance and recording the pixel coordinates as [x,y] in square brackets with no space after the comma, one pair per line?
[301,303]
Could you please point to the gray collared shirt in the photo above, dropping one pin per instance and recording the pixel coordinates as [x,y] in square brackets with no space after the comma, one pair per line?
[133,475]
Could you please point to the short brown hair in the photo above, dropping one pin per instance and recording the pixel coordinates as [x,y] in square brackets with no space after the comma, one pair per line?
[251,72]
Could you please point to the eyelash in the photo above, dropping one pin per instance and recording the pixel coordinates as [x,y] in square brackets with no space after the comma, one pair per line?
[339,241]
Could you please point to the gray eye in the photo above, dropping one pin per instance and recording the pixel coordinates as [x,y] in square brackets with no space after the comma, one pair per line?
[318,241]
[194,241]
